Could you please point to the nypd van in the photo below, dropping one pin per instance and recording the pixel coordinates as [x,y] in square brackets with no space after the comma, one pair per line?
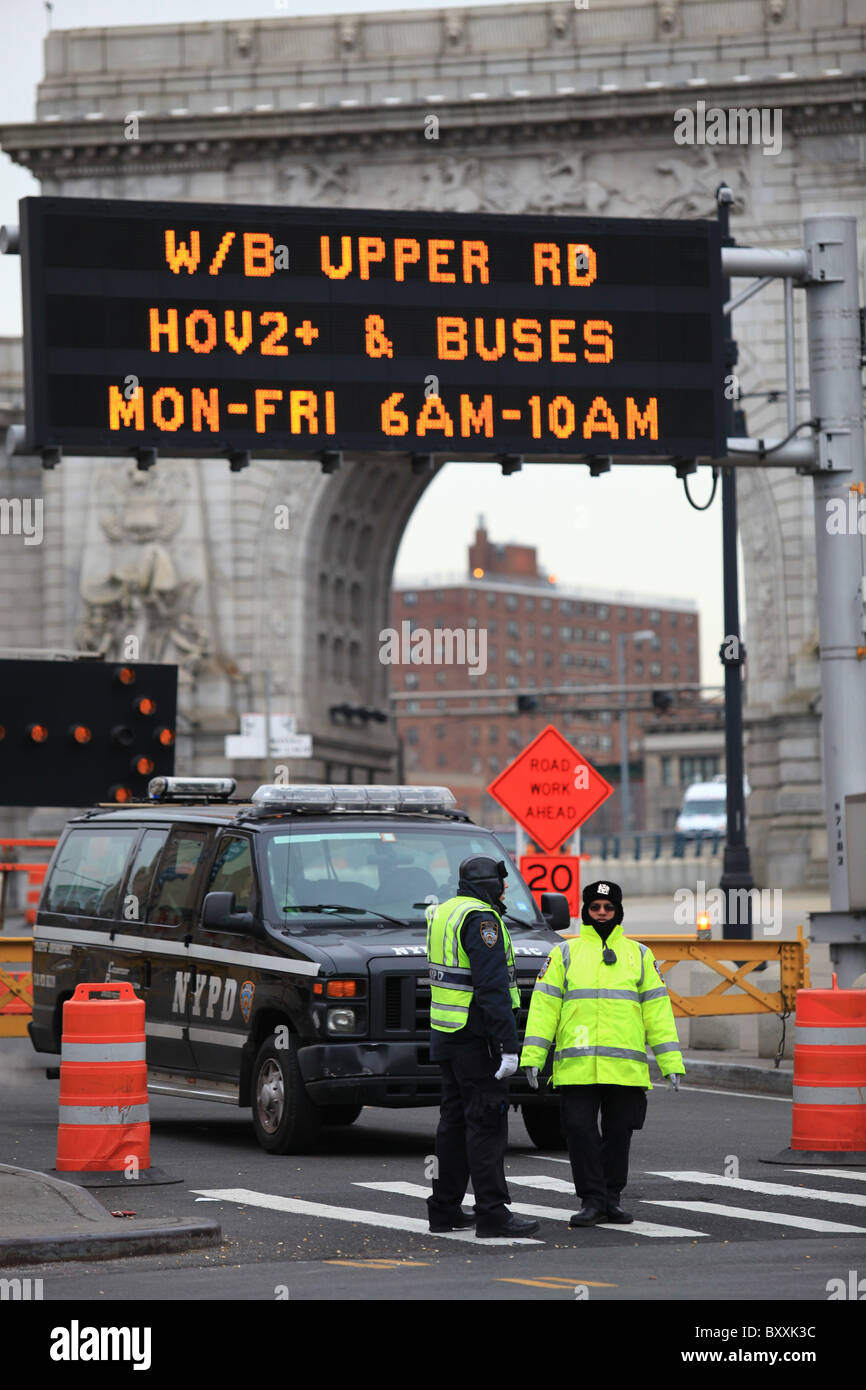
[279,943]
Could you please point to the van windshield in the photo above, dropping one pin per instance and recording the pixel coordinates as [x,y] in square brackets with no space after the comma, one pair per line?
[704,808]
[397,871]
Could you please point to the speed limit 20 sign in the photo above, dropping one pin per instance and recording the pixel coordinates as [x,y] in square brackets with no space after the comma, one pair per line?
[553,873]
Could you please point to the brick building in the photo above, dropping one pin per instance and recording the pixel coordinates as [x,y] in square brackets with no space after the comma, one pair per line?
[507,629]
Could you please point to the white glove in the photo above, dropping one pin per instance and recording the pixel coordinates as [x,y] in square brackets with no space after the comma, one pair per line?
[508,1066]
[674,1081]
[532,1077]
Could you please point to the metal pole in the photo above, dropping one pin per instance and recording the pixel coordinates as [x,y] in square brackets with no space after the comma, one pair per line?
[623,735]
[736,880]
[836,400]
[266,766]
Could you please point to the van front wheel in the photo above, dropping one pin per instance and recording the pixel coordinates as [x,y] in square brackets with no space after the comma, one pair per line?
[284,1119]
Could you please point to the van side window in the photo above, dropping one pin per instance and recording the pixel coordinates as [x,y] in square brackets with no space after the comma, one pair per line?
[232,872]
[141,874]
[174,890]
[86,879]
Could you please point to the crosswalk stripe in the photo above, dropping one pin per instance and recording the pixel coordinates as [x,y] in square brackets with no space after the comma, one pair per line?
[637,1228]
[846,1173]
[774,1218]
[297,1206]
[771,1189]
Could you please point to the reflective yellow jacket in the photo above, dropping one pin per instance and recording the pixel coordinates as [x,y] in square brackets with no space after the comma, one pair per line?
[599,1018]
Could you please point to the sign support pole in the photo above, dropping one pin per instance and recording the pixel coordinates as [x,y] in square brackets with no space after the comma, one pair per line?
[835,383]
[736,863]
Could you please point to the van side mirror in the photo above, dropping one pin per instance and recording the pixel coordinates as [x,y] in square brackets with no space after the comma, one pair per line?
[218,914]
[555,911]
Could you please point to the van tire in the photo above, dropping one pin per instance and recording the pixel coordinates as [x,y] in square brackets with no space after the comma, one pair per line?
[284,1118]
[543,1126]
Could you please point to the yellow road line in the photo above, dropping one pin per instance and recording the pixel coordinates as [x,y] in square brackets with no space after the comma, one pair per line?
[380,1264]
[556,1281]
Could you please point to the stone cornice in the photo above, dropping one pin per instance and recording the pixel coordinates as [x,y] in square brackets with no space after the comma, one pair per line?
[217,140]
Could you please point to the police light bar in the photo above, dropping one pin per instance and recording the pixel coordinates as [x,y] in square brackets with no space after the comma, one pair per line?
[190,788]
[273,798]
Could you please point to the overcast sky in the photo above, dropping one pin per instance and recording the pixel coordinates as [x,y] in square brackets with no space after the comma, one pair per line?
[630,529]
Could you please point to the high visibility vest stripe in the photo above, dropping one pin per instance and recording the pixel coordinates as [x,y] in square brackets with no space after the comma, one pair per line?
[600,1052]
[103,1114]
[549,989]
[646,994]
[102,1052]
[829,1037]
[603,994]
[665,1047]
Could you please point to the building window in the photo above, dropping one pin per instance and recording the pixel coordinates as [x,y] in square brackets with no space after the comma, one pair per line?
[438,595]
[667,772]
[656,644]
[440,730]
[690,646]
[512,602]
[655,668]
[493,764]
[604,663]
[638,668]
[529,605]
[603,610]
[491,600]
[530,629]
[622,614]
[548,658]
[602,635]
[547,630]
[655,616]
[471,622]
[605,742]
[674,645]
[673,619]
[565,634]
[515,738]
[491,653]
[546,605]
[411,680]
[412,735]
[513,629]
[442,760]
[441,677]
[565,608]
[493,733]
[476,766]
[440,705]
[512,655]
[413,706]
[492,679]
[702,768]
[529,656]
[511,681]
[675,673]
[475,734]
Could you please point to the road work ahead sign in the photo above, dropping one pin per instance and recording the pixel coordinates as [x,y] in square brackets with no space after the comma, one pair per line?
[201,329]
[550,789]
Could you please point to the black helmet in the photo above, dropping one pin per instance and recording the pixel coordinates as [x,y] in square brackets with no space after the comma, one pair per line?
[483,877]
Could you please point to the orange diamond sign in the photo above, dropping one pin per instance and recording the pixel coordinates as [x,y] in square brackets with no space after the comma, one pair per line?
[550,789]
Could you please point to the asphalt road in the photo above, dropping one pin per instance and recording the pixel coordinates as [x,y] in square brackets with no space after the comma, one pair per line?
[712,1221]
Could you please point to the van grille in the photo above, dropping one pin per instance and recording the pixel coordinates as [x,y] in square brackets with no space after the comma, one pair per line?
[393,1002]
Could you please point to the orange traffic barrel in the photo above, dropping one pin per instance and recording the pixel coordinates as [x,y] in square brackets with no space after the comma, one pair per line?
[104,1121]
[829,1119]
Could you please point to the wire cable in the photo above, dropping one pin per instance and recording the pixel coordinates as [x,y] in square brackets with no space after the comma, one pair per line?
[709,502]
[765,453]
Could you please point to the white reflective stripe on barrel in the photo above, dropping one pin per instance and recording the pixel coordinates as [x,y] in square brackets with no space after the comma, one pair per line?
[103,1114]
[102,1052]
[830,1095]
[829,1037]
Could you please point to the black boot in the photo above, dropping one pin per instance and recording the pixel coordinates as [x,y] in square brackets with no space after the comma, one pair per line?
[488,1228]
[616,1214]
[588,1216]
[459,1222]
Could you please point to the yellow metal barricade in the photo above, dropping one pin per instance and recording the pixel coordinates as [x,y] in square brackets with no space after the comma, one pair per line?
[16,986]
[733,962]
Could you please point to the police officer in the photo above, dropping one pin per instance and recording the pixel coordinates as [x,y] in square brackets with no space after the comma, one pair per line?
[598,1000]
[473,1037]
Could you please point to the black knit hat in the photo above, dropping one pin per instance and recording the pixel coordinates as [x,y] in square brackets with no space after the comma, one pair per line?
[604,888]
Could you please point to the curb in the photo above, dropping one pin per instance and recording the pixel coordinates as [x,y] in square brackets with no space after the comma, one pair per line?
[766,1081]
[43,1246]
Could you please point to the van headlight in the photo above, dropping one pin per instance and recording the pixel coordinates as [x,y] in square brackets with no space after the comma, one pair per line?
[342,1021]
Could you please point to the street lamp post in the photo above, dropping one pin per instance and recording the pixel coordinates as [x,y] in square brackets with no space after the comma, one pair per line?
[621,639]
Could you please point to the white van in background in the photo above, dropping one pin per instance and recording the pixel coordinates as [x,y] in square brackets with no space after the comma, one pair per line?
[704,807]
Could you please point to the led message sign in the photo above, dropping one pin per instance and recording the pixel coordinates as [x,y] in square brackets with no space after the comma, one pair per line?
[201,329]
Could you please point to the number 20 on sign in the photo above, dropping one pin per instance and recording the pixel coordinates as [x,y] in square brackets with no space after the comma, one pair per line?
[553,873]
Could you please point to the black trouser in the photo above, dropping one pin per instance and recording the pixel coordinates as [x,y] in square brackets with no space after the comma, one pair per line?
[472,1135]
[599,1162]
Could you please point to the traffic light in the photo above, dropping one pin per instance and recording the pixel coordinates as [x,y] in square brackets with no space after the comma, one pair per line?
[74,733]
[662,701]
[526,704]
